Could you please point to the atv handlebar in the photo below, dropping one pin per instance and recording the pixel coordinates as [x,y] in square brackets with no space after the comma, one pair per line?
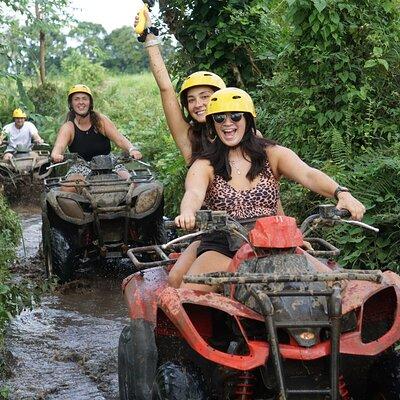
[328,214]
[76,158]
[209,221]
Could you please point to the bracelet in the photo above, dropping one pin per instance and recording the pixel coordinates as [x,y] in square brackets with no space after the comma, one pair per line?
[151,43]
[151,29]
[132,148]
[338,190]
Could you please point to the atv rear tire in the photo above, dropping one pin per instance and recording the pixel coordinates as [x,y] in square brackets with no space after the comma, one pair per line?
[385,377]
[175,381]
[59,252]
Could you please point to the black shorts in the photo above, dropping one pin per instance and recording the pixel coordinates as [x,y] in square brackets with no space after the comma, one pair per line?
[217,241]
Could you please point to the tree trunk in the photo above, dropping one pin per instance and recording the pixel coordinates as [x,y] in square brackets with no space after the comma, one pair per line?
[42,53]
[42,46]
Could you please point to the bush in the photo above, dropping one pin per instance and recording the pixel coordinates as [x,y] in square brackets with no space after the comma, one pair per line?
[79,69]
[10,233]
[47,98]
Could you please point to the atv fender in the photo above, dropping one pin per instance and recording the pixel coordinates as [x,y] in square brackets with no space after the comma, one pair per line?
[141,291]
[355,295]
[357,292]
[171,303]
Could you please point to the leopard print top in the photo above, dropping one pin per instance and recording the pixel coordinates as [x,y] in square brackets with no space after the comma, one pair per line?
[262,200]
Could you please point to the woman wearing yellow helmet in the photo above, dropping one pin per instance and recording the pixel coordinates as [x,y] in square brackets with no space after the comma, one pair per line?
[89,134]
[240,175]
[188,130]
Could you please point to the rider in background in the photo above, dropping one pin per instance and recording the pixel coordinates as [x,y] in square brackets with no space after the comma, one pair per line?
[89,134]
[20,134]
[240,175]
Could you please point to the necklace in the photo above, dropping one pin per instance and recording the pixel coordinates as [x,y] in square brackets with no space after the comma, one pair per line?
[234,165]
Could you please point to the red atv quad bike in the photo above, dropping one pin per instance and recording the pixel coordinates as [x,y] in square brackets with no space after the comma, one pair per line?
[288,324]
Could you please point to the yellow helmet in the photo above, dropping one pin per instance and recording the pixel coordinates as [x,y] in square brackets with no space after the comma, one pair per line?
[79,88]
[230,99]
[18,113]
[201,78]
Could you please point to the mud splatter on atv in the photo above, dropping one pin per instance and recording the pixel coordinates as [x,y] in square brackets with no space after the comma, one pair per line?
[286,325]
[102,219]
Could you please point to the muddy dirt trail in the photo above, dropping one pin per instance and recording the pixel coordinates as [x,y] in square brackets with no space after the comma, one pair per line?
[66,347]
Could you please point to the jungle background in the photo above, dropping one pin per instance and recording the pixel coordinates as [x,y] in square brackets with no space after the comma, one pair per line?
[324,75]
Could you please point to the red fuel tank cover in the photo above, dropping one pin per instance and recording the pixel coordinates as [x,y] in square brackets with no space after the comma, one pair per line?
[278,232]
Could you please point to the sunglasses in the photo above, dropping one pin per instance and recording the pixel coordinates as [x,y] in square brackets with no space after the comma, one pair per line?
[234,116]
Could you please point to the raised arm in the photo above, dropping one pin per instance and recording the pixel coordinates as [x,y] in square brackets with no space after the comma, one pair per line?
[64,137]
[197,180]
[287,163]
[172,110]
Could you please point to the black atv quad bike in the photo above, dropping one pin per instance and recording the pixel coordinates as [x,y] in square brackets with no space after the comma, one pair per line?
[27,167]
[103,218]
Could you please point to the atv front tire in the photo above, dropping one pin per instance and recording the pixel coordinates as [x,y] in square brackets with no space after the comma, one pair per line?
[137,361]
[125,378]
[175,381]
[59,252]
[153,229]
[385,377]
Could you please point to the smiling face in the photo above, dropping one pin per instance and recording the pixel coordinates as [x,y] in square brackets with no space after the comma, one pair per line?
[230,132]
[197,100]
[80,103]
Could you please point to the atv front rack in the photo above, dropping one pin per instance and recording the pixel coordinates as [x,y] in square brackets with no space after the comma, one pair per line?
[154,250]
[219,278]
[61,181]
[262,297]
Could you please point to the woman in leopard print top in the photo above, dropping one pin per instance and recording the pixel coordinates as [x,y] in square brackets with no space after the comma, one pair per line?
[240,175]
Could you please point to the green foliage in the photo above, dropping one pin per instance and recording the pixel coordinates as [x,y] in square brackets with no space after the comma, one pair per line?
[339,74]
[334,100]
[77,68]
[133,103]
[224,37]
[10,233]
[46,98]
[123,52]
[91,38]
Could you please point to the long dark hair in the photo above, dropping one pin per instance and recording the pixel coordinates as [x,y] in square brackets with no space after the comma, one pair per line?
[198,136]
[252,147]
[197,130]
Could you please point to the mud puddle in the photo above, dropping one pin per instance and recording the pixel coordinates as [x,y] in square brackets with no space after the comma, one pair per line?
[66,347]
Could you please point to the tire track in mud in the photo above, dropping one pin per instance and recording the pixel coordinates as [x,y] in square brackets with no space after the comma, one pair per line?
[66,347]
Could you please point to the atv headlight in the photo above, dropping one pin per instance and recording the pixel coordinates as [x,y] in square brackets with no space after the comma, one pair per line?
[148,199]
[70,207]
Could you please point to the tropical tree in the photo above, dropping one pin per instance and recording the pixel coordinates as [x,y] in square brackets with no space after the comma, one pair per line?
[90,37]
[237,39]
[123,52]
